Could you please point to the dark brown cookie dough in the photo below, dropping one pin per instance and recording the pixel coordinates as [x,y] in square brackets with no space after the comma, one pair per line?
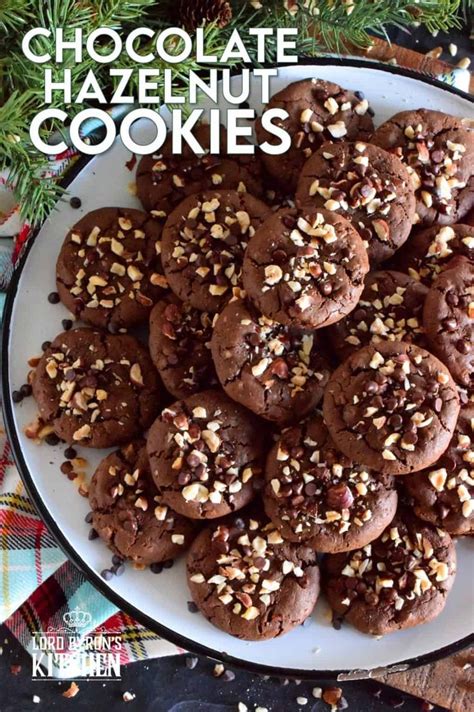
[204,240]
[392,407]
[128,514]
[444,494]
[109,270]
[439,153]
[317,495]
[305,268]
[368,186]
[96,389]
[180,347]
[429,251]
[277,371]
[448,318]
[166,178]
[398,581]
[206,455]
[250,583]
[318,111]
[390,309]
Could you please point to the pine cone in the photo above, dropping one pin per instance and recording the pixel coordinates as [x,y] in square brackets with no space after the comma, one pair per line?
[196,13]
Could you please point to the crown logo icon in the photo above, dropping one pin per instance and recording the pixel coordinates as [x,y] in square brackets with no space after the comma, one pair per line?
[77,618]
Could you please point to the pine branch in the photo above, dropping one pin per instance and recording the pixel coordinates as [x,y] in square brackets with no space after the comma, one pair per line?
[13,14]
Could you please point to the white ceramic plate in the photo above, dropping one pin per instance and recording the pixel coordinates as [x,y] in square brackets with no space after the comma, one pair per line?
[160,601]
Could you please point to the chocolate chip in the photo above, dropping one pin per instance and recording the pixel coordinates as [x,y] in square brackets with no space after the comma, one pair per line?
[75,203]
[192,608]
[45,345]
[53,298]
[107,574]
[52,439]
[168,563]
[26,390]
[156,568]
[228,676]
[67,324]
[70,453]
[88,517]
[17,396]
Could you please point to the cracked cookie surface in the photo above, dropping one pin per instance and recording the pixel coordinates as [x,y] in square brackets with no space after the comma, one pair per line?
[108,271]
[317,495]
[206,455]
[276,371]
[204,240]
[439,154]
[390,309]
[368,186]
[128,514]
[305,268]
[448,318]
[398,581]
[444,494]
[180,347]
[96,389]
[392,407]
[246,580]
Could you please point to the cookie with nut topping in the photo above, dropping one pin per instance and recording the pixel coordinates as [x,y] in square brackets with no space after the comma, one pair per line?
[96,389]
[166,178]
[108,271]
[246,580]
[390,309]
[206,455]
[305,268]
[400,580]
[448,318]
[367,185]
[180,347]
[128,514]
[276,371]
[438,151]
[444,494]
[317,495]
[392,407]
[204,240]
[428,252]
[318,111]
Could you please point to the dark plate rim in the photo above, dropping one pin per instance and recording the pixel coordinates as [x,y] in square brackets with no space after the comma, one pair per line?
[80,563]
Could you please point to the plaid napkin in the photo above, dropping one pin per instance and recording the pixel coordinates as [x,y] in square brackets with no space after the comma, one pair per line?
[37,583]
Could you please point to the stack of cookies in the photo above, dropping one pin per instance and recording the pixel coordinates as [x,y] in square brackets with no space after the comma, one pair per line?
[308,386]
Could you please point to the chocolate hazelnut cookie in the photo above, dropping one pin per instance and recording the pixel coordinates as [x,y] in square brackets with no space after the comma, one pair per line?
[392,407]
[439,154]
[206,455]
[429,251]
[96,389]
[318,111]
[180,347]
[398,581]
[127,513]
[246,580]
[204,240]
[166,178]
[368,186]
[109,270]
[277,371]
[448,318]
[305,268]
[390,309]
[317,495]
[444,494]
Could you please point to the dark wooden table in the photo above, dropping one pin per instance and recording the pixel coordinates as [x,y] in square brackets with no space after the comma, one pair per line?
[168,685]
